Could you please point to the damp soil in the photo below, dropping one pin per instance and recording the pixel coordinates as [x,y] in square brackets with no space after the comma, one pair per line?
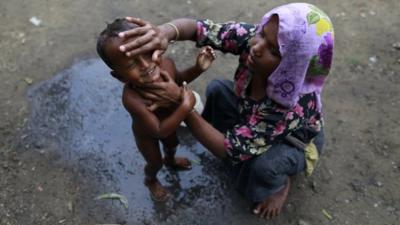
[65,137]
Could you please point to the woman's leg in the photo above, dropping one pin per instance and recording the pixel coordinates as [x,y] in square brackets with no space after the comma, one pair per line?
[269,173]
[221,108]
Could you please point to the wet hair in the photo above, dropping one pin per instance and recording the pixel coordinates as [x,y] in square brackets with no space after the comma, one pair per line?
[109,33]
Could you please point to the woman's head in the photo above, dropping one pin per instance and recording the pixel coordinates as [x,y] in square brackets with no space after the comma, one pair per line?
[264,54]
[305,45]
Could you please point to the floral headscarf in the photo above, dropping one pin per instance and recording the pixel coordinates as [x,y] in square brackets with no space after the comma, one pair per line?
[305,39]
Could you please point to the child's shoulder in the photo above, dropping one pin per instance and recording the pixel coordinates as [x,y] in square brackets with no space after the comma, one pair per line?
[131,98]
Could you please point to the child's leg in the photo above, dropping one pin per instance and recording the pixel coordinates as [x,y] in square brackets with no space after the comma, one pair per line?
[150,150]
[180,163]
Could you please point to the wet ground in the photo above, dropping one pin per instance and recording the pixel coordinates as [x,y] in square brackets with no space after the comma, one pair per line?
[65,138]
[87,131]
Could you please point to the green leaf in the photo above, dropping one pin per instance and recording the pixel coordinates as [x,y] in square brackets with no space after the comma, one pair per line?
[119,197]
[313,17]
[326,214]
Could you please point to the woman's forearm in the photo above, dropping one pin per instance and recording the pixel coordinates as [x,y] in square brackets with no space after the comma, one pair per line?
[172,122]
[186,29]
[206,134]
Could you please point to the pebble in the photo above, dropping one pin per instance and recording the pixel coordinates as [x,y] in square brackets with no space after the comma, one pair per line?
[396,45]
[391,209]
[35,21]
[373,59]
[302,222]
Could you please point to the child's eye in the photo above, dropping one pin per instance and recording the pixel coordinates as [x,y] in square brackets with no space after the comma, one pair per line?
[133,63]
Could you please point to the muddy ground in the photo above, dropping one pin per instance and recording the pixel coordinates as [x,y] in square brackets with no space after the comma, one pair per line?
[65,139]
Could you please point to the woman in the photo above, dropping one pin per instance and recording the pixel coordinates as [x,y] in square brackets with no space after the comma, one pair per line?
[268,122]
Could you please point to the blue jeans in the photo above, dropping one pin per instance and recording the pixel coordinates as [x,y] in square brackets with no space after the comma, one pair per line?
[267,173]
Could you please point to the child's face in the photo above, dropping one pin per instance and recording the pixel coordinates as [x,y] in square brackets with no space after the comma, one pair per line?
[136,71]
[264,55]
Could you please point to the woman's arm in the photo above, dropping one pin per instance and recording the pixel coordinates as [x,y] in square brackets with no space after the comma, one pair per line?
[207,135]
[155,127]
[156,38]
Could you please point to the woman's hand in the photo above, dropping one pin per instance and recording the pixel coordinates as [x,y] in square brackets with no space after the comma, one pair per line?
[164,93]
[149,38]
[188,99]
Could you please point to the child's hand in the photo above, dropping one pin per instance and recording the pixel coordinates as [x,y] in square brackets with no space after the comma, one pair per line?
[205,58]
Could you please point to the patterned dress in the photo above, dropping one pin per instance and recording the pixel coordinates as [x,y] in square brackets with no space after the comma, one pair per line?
[263,122]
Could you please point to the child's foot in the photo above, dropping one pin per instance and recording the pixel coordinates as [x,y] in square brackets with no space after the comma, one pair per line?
[272,206]
[157,191]
[178,163]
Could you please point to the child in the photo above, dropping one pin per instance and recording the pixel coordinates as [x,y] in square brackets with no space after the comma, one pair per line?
[151,125]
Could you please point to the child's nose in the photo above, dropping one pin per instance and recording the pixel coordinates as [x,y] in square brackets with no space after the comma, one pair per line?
[143,62]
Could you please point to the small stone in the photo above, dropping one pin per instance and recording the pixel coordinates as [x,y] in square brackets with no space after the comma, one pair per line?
[363,15]
[35,21]
[396,45]
[372,13]
[28,80]
[314,186]
[347,201]
[391,209]
[70,206]
[373,59]
[376,205]
[379,184]
[302,222]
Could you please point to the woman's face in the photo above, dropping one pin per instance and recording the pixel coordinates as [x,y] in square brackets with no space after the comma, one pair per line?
[264,55]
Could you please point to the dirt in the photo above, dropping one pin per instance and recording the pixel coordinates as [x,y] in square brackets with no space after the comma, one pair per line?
[65,138]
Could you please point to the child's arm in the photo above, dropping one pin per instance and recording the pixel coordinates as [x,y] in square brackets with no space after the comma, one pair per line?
[203,62]
[149,121]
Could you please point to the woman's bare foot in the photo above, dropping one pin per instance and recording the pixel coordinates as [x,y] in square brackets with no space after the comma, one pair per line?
[272,206]
[178,163]
[157,191]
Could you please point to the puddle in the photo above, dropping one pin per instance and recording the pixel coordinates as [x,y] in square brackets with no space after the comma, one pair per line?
[77,116]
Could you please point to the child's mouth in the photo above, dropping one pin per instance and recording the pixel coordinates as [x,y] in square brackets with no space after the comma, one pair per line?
[151,75]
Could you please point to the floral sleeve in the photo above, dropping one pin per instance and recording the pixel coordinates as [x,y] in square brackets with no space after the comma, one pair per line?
[229,37]
[268,123]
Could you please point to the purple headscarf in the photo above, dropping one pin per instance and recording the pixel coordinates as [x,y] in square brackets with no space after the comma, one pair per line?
[305,39]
